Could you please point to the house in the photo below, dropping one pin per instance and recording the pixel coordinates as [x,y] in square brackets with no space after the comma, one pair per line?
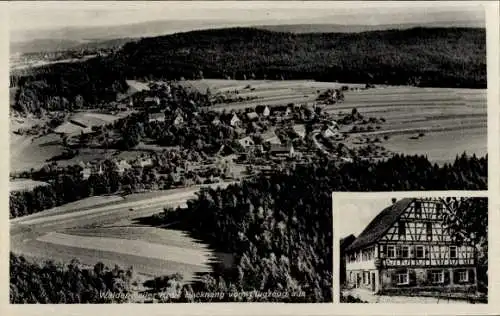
[407,248]
[122,165]
[121,107]
[145,162]
[246,142]
[235,121]
[252,116]
[151,101]
[216,121]
[178,120]
[300,130]
[330,132]
[157,117]
[263,110]
[282,150]
[344,243]
[266,112]
[86,172]
[270,137]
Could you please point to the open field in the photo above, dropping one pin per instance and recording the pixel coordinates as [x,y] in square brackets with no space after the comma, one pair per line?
[103,229]
[24,184]
[264,92]
[28,152]
[453,120]
[82,122]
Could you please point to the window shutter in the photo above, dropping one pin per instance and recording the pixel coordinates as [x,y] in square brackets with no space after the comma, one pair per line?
[412,252]
[412,277]
[456,276]
[429,277]
[426,253]
[472,276]
[446,276]
[394,280]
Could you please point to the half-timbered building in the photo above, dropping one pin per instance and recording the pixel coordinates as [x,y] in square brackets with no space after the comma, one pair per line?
[407,247]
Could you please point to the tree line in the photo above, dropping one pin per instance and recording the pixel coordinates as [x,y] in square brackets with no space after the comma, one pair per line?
[52,283]
[420,56]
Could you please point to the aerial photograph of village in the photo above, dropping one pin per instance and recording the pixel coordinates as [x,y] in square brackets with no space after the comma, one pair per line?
[165,152]
[413,249]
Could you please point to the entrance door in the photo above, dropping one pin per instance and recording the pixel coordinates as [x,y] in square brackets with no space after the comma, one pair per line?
[373,282]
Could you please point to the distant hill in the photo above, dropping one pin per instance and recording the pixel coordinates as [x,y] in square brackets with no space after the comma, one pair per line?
[53,45]
[437,57]
[339,28]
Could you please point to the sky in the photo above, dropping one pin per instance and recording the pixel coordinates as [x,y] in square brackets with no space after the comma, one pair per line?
[352,215]
[32,15]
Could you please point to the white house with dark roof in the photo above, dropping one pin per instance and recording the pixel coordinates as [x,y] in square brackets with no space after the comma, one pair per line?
[266,112]
[252,116]
[156,117]
[246,142]
[179,120]
[235,120]
[270,137]
[407,248]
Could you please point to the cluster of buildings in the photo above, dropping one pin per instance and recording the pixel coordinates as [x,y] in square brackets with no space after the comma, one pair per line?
[90,168]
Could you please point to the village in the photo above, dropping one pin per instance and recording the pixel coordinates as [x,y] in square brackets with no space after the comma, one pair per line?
[243,142]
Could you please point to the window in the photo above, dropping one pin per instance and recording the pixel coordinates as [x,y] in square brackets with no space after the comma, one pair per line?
[437,276]
[401,229]
[453,252]
[463,276]
[391,252]
[418,209]
[428,227]
[420,252]
[402,278]
[405,252]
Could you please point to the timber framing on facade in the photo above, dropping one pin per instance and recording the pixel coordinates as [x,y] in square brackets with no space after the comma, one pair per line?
[407,248]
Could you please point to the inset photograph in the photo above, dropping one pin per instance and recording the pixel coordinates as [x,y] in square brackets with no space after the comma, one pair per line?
[411,249]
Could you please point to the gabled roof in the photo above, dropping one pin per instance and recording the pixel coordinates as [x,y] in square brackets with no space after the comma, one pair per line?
[346,241]
[380,224]
[158,115]
[252,115]
[279,148]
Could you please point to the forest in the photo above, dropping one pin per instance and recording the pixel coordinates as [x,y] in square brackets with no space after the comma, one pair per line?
[279,225]
[51,283]
[437,57]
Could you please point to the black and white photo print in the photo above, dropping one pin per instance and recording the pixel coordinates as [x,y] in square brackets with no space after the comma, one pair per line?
[170,151]
[412,249]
